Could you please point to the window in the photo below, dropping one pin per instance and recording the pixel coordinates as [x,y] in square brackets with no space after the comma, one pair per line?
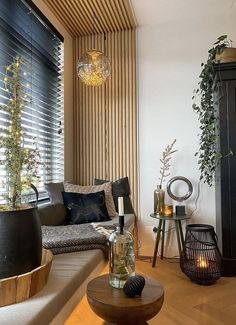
[25,32]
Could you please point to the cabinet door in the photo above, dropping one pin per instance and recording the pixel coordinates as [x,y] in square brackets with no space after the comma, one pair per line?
[232,162]
[228,167]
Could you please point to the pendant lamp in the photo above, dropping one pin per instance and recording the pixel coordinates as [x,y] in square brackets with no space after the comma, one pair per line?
[93,68]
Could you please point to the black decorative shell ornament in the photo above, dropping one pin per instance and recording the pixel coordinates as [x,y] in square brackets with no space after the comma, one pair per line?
[134,286]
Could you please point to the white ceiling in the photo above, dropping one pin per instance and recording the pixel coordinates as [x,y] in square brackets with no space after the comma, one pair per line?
[152,12]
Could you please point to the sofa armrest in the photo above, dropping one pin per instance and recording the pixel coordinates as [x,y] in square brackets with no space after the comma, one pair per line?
[52,214]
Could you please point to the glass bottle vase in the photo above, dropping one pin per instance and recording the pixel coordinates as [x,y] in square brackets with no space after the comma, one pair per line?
[121,257]
[159,200]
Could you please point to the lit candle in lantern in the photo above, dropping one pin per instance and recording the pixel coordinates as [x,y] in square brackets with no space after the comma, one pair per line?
[202,262]
[121,206]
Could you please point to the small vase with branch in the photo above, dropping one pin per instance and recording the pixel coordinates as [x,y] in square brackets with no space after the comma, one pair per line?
[159,193]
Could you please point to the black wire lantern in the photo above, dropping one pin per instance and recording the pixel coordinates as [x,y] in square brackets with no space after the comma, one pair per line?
[200,259]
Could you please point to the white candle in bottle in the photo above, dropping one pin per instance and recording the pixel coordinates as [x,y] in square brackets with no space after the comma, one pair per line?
[121,206]
[121,252]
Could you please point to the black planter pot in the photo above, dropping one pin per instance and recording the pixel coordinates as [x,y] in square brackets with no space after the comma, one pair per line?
[20,242]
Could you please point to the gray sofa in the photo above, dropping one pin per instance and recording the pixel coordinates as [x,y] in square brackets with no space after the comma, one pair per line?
[66,285]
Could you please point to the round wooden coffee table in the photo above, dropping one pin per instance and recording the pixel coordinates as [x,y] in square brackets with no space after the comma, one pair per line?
[114,306]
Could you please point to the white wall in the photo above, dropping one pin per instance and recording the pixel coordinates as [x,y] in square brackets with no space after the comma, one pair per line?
[169,57]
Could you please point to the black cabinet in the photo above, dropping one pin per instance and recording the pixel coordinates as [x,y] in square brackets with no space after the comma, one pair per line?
[226,171]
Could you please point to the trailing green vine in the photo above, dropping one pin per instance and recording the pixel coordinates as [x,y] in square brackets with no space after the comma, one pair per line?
[208,156]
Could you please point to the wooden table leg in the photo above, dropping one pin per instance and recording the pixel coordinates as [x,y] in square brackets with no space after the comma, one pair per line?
[157,243]
[181,233]
[178,236]
[163,238]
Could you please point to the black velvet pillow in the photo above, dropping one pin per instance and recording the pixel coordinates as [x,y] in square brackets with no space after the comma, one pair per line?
[84,208]
[119,188]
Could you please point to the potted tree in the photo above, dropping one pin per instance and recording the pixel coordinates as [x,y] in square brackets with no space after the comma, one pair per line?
[208,156]
[20,231]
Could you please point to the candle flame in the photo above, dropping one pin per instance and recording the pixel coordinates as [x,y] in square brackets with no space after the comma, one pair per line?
[202,262]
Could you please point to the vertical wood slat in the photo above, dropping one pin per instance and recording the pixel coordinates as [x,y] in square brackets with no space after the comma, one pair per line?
[88,12]
[76,131]
[78,15]
[124,14]
[118,157]
[114,18]
[69,14]
[134,119]
[109,109]
[124,108]
[63,16]
[130,13]
[85,122]
[107,118]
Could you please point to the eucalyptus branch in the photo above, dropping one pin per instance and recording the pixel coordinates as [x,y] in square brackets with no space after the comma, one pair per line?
[165,161]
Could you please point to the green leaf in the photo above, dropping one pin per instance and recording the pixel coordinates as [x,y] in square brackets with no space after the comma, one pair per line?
[222,37]
[207,155]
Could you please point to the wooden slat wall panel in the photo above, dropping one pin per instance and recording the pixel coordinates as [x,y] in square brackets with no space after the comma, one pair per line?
[106,122]
[105,118]
[86,17]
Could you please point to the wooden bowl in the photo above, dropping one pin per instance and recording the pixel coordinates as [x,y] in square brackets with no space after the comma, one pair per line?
[24,286]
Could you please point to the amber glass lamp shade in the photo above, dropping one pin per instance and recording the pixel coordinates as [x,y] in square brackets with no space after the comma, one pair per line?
[93,68]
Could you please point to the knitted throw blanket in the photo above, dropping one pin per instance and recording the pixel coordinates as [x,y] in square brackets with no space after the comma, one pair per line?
[72,238]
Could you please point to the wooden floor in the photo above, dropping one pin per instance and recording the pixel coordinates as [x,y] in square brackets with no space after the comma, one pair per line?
[185,303]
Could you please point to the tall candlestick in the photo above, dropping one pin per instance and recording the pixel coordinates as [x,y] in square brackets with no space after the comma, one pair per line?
[121,206]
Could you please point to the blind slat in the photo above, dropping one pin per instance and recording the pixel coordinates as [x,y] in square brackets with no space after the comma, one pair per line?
[22,33]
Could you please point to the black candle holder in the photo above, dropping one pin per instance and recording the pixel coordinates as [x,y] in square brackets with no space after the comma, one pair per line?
[200,259]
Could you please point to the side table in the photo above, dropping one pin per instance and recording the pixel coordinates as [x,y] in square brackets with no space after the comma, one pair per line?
[161,229]
[114,306]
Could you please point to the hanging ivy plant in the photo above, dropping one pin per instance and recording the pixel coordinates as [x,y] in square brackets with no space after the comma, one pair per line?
[208,156]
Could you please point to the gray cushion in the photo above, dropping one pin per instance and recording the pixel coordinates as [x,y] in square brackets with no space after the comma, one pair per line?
[120,187]
[52,214]
[54,192]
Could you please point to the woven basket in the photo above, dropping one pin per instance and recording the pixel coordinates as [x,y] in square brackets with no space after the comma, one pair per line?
[24,286]
[228,55]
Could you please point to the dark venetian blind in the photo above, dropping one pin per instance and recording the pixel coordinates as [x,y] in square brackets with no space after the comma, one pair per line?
[25,32]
